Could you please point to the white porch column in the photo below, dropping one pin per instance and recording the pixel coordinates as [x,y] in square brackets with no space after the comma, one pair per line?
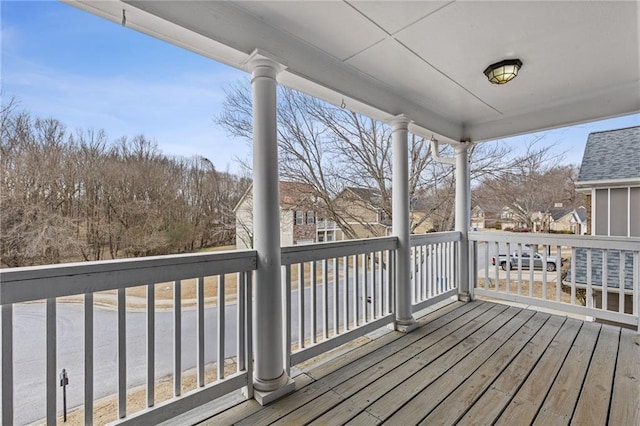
[463,216]
[401,224]
[270,379]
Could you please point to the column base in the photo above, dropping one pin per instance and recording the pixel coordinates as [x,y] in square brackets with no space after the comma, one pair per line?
[267,397]
[464,297]
[406,326]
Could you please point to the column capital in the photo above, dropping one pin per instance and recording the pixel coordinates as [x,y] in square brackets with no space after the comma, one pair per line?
[400,122]
[462,146]
[261,59]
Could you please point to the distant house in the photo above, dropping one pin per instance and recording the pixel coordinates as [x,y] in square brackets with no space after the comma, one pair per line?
[362,211]
[477,218]
[301,220]
[610,177]
[509,220]
[484,216]
[567,219]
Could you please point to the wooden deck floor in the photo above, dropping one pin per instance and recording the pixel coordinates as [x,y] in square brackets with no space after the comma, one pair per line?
[470,364]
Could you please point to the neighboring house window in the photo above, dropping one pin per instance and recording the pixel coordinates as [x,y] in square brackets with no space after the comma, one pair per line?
[311,218]
[299,217]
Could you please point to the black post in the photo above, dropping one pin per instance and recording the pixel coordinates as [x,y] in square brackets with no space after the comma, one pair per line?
[64,381]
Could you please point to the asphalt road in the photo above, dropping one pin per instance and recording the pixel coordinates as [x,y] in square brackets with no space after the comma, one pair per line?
[30,351]
[30,348]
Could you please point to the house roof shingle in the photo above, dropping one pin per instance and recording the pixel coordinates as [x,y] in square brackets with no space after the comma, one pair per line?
[611,155]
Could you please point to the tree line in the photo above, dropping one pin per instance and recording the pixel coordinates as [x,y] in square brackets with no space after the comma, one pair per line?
[77,196]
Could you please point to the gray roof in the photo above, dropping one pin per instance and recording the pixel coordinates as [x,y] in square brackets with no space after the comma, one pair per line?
[614,154]
[560,212]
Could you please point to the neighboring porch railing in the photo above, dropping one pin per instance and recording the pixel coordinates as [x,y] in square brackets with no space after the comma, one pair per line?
[586,275]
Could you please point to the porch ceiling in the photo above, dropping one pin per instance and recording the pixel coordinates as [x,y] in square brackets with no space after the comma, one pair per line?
[424,59]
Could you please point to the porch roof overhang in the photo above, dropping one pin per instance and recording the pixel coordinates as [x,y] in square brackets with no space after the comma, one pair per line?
[423,59]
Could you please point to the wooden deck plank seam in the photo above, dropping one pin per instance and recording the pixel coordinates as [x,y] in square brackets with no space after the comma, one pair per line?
[564,396]
[613,378]
[530,359]
[441,321]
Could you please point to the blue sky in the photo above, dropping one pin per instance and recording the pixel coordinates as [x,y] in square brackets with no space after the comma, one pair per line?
[88,72]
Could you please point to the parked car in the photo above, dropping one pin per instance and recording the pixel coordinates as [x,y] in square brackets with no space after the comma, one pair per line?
[552,262]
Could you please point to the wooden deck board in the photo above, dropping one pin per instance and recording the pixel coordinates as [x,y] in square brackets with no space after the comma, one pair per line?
[399,368]
[498,365]
[593,405]
[491,403]
[418,380]
[473,363]
[563,396]
[367,361]
[498,348]
[525,404]
[366,376]
[625,401]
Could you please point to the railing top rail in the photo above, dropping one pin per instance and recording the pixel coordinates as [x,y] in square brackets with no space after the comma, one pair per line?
[587,241]
[435,237]
[320,251]
[41,282]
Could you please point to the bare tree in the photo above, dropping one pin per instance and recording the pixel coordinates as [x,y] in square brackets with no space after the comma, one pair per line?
[76,196]
[533,183]
[331,148]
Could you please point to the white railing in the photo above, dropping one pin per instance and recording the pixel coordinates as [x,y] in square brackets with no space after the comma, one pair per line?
[86,282]
[434,261]
[567,276]
[335,293]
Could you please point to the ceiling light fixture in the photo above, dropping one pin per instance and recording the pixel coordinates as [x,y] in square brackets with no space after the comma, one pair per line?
[504,71]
